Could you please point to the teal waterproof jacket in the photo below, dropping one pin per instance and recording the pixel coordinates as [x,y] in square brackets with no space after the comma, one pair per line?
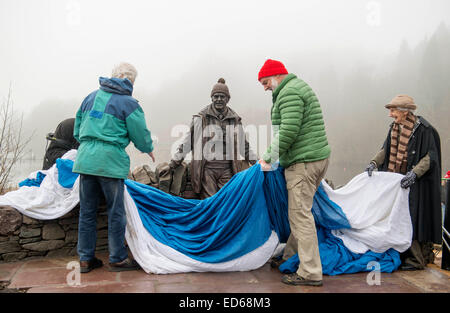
[108,119]
[298,125]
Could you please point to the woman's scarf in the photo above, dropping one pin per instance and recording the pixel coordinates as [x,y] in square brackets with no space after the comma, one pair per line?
[399,144]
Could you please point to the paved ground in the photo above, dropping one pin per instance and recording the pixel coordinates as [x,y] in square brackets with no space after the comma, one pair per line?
[50,275]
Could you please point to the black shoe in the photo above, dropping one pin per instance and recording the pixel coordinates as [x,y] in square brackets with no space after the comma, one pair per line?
[87,266]
[297,280]
[276,262]
[126,265]
[409,267]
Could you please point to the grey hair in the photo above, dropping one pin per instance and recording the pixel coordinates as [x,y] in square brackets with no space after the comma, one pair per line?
[125,70]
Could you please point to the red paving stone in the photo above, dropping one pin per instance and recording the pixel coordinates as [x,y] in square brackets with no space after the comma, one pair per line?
[99,276]
[138,287]
[49,275]
[41,277]
[162,279]
[45,263]
[268,287]
[226,278]
[429,280]
[267,274]
[211,287]
[357,283]
[7,270]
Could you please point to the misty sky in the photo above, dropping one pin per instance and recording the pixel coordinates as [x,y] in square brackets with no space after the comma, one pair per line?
[56,49]
[52,53]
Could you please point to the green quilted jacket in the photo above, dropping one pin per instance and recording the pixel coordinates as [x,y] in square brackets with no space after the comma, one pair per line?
[298,125]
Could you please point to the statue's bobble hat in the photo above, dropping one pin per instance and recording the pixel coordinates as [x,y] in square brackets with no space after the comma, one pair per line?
[220,87]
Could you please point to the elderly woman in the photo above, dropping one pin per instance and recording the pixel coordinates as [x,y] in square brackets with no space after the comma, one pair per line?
[412,148]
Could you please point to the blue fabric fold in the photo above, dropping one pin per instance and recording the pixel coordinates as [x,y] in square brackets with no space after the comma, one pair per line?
[33,182]
[275,193]
[337,259]
[327,213]
[231,223]
[66,177]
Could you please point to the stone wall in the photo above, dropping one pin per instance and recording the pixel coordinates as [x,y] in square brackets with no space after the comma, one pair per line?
[22,237]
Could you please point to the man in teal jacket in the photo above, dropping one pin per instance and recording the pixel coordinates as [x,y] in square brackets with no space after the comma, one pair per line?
[302,148]
[108,119]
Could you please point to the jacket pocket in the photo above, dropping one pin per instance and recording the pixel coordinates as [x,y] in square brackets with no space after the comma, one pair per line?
[294,175]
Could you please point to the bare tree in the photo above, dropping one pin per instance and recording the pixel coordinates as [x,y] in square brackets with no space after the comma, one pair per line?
[12,142]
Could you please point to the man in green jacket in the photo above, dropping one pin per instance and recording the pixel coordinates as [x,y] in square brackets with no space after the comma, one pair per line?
[108,119]
[301,145]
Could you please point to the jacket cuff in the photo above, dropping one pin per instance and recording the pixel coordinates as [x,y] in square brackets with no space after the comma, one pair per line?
[266,157]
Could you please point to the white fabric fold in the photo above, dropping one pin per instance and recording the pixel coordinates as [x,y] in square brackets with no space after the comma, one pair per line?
[47,202]
[377,209]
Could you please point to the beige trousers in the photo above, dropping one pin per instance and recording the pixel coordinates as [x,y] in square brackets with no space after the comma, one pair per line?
[302,181]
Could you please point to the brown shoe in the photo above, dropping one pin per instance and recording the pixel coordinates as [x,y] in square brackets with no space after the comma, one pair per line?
[297,280]
[126,265]
[409,267]
[87,266]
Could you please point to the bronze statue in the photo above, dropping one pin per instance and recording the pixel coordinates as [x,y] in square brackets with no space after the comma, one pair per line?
[217,141]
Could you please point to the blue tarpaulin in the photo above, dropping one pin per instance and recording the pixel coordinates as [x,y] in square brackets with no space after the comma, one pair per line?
[233,222]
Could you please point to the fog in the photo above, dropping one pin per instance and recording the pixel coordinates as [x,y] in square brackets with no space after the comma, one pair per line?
[356,55]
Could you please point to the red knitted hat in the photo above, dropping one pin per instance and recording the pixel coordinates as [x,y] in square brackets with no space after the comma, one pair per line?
[271,68]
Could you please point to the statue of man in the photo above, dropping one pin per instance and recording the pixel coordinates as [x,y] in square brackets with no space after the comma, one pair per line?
[217,141]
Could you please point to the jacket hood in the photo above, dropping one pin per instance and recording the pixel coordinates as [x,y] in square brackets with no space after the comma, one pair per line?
[121,86]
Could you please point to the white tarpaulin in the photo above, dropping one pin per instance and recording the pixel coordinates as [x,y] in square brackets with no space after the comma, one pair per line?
[377,208]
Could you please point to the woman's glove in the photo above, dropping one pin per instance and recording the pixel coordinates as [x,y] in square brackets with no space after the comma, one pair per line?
[408,180]
[370,168]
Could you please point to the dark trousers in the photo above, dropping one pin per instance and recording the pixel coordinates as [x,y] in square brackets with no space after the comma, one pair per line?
[215,176]
[418,255]
[91,188]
